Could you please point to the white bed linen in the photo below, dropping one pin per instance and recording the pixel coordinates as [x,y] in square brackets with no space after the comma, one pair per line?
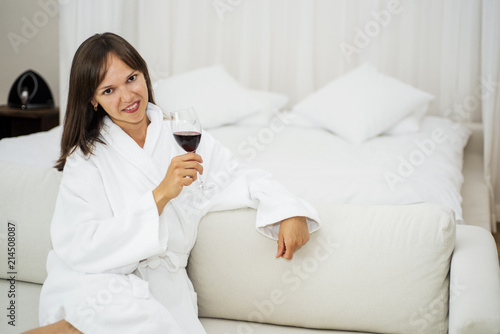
[322,167]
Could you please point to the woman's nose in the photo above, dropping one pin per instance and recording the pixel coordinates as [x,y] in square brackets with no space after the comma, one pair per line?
[127,95]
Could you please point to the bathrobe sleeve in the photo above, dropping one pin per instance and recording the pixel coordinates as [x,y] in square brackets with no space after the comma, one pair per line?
[88,236]
[238,185]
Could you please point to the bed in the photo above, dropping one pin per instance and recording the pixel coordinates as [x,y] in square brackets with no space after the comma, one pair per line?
[328,148]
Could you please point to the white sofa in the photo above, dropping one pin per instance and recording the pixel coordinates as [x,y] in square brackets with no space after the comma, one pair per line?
[382,269]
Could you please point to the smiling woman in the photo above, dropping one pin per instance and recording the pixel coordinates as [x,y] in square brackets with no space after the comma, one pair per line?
[124,95]
[108,63]
[126,219]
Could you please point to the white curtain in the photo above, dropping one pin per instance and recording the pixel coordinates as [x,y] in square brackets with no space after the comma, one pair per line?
[445,47]
[490,95]
[295,46]
[79,20]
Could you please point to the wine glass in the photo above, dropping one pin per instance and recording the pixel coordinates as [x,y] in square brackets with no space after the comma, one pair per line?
[186,128]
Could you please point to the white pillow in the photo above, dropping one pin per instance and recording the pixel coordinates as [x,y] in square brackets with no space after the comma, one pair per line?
[362,104]
[217,97]
[271,100]
[409,124]
[273,103]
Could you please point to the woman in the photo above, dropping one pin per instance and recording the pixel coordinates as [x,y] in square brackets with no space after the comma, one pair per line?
[125,219]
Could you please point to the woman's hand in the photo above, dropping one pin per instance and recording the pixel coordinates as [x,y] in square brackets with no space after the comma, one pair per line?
[183,171]
[292,235]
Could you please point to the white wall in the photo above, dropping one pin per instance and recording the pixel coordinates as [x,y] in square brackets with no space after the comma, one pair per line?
[29,31]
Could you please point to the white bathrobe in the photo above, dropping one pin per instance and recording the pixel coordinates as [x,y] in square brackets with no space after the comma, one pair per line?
[119,267]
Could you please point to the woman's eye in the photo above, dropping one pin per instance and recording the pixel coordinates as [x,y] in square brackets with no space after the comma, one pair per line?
[132,78]
[107,91]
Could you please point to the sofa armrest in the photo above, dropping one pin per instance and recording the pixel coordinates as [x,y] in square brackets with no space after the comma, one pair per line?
[474,283]
[476,140]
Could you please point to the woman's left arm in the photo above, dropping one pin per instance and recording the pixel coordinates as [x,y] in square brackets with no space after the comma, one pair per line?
[280,215]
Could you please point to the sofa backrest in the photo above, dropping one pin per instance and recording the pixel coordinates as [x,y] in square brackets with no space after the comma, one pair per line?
[377,269]
[27,201]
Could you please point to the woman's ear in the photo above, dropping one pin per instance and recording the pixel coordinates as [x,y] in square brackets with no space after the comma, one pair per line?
[94,103]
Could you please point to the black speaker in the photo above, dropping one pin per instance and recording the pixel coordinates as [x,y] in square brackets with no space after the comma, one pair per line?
[30,91]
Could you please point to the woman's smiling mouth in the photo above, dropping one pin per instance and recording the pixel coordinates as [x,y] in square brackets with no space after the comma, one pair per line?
[132,108]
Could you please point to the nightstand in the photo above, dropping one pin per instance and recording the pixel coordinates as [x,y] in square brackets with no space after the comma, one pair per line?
[17,122]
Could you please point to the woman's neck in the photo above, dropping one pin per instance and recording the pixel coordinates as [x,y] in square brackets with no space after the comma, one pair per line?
[138,133]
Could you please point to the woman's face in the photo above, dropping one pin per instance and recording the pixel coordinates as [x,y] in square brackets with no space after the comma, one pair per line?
[123,94]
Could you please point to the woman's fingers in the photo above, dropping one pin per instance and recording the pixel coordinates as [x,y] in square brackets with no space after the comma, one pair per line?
[188,157]
[183,171]
[192,165]
[189,176]
[293,233]
[187,161]
[281,247]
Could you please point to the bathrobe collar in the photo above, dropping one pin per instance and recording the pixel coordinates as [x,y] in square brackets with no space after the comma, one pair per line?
[142,158]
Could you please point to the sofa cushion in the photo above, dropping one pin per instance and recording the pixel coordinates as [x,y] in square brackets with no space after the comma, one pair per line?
[28,196]
[369,268]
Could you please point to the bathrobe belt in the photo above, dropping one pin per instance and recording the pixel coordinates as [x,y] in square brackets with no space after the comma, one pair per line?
[172,261]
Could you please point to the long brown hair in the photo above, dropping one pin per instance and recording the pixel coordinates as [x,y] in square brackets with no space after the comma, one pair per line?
[82,124]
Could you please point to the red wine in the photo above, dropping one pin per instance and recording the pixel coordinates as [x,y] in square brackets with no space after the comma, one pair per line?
[188,140]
